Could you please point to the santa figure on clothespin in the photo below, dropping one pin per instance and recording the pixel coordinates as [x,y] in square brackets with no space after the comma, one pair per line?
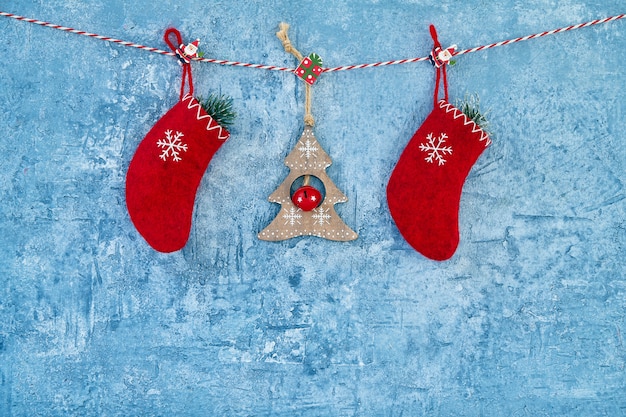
[439,57]
[187,53]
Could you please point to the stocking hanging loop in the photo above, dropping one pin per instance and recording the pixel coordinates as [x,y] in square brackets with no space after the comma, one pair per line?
[439,57]
[179,48]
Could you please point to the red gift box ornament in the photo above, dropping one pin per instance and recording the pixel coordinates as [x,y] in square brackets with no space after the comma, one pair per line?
[310,68]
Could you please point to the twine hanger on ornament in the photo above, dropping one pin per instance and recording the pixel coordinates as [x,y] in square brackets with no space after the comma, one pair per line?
[309,70]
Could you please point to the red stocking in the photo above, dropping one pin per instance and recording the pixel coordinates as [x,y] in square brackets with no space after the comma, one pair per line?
[424,190]
[167,168]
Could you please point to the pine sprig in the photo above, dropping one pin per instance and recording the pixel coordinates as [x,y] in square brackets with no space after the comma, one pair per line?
[470,106]
[220,108]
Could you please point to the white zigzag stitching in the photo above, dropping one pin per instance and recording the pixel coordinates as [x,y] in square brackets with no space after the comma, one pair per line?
[457,113]
[222,133]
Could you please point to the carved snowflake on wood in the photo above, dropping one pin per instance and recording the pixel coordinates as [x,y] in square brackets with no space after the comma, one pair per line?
[321,216]
[172,145]
[307,149]
[435,148]
[292,216]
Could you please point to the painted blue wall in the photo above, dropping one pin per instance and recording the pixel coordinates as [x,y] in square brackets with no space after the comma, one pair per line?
[528,317]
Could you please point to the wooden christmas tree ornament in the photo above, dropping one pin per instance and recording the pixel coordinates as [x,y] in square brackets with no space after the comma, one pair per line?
[308,210]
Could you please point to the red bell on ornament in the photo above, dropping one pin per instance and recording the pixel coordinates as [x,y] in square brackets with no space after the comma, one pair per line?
[306,198]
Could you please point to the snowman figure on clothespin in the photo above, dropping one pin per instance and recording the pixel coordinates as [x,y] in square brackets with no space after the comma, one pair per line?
[187,53]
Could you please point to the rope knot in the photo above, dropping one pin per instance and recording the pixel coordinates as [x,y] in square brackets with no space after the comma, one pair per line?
[284,38]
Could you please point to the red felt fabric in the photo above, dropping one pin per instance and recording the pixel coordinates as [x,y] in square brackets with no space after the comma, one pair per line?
[160,191]
[423,195]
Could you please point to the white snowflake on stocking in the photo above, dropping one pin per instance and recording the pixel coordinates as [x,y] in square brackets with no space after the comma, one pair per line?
[307,148]
[172,146]
[292,216]
[321,216]
[436,151]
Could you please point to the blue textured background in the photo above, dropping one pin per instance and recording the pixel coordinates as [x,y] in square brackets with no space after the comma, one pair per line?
[527,319]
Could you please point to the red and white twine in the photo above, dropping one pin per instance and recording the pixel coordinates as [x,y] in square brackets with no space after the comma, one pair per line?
[335,69]
[539,35]
[80,32]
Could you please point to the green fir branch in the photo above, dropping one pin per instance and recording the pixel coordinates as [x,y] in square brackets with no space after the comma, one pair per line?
[470,106]
[220,108]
